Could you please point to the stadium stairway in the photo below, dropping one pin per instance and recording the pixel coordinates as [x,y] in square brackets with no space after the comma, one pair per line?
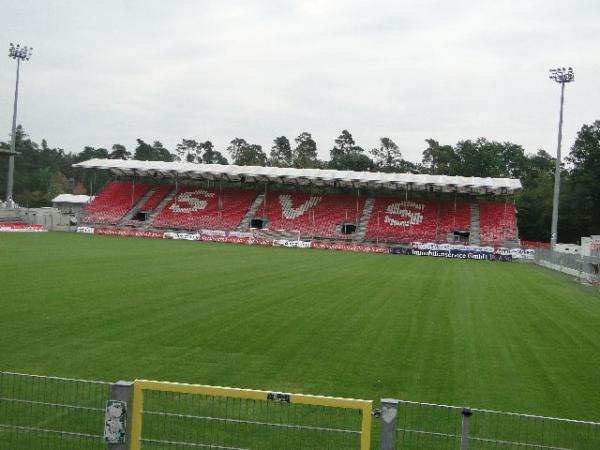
[160,207]
[361,229]
[251,213]
[474,236]
[136,208]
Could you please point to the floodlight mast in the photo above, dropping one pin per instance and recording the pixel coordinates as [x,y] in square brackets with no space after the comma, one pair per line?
[20,54]
[561,76]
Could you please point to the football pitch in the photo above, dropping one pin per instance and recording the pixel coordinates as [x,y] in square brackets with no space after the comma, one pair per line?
[504,336]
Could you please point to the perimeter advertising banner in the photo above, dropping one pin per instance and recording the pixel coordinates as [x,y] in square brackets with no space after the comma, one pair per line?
[182,236]
[287,243]
[349,247]
[416,249]
[133,233]
[22,228]
[455,251]
[456,254]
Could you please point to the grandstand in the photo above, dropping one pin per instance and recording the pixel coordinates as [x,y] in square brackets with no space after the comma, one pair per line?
[194,208]
[371,207]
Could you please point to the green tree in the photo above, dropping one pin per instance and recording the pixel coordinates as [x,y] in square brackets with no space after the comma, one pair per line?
[513,162]
[188,151]
[439,159]
[281,153]
[346,155]
[344,146]
[585,152]
[305,153]
[58,184]
[538,164]
[356,162]
[245,154]
[154,152]
[387,156]
[409,167]
[483,158]
[210,155]
[92,153]
[581,202]
[119,152]
[534,202]
[35,168]
[476,158]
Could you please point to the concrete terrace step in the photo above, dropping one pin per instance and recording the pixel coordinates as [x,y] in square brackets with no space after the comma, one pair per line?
[363,222]
[160,207]
[135,209]
[245,223]
[474,235]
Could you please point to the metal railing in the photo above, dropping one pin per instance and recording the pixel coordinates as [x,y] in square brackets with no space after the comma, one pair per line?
[585,268]
[428,426]
[38,412]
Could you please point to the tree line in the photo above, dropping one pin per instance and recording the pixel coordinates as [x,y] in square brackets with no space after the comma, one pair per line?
[42,172]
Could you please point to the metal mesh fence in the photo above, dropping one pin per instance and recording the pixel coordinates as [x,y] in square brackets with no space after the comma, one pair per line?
[427,426]
[583,267]
[178,420]
[424,426]
[501,430]
[38,412]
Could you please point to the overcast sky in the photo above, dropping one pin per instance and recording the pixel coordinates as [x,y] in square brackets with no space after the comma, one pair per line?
[106,72]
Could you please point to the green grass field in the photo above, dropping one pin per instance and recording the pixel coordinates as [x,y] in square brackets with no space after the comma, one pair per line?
[497,335]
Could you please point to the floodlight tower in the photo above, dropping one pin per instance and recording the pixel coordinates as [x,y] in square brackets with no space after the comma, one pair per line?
[561,76]
[20,54]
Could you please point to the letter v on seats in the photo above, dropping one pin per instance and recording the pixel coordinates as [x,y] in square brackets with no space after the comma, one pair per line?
[289,212]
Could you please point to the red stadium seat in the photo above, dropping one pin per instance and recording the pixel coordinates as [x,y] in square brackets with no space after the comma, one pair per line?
[398,220]
[320,215]
[195,208]
[160,191]
[498,223]
[114,201]
[311,215]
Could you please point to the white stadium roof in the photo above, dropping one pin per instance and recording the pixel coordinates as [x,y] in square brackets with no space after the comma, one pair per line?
[318,177]
[70,198]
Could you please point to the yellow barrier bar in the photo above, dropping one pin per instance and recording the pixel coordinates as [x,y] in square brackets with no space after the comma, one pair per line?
[139,386]
[136,417]
[365,436]
[200,389]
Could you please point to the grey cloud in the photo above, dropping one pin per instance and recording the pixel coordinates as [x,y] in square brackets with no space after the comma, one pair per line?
[106,72]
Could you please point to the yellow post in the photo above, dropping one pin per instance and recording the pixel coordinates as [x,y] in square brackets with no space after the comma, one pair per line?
[365,436]
[136,417]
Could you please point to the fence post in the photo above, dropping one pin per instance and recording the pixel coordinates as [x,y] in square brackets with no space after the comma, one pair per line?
[466,417]
[123,391]
[389,423]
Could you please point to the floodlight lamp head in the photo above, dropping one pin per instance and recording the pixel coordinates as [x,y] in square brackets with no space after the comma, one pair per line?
[18,52]
[562,75]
